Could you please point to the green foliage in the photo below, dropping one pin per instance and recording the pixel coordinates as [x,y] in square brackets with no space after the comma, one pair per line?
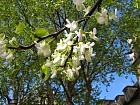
[20,28]
[41,32]
[45,70]
[26,19]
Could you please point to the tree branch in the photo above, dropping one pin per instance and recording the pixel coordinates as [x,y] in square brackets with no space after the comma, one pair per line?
[61,30]
[67,93]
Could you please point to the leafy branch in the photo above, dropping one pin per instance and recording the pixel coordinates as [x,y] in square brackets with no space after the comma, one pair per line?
[21,47]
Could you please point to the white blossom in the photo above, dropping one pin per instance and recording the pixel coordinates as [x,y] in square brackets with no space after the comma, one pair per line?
[72,26]
[82,48]
[129,41]
[93,34]
[132,56]
[79,34]
[103,17]
[79,4]
[63,59]
[54,74]
[71,72]
[48,63]
[69,37]
[113,16]
[57,59]
[43,49]
[61,45]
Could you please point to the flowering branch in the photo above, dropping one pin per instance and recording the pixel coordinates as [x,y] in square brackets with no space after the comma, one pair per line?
[61,30]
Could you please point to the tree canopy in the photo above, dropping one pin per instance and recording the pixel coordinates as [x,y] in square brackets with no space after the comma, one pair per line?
[57,52]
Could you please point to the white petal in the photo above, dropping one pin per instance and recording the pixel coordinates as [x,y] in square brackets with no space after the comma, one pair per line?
[101,20]
[129,41]
[80,7]
[53,75]
[104,12]
[57,59]
[94,31]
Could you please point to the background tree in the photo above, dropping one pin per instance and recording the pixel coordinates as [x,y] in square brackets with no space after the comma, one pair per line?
[29,82]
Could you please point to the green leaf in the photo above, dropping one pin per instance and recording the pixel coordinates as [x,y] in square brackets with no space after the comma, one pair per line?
[41,32]
[20,27]
[45,70]
[2,36]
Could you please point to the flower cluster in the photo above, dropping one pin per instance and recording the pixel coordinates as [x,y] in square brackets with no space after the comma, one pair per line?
[73,48]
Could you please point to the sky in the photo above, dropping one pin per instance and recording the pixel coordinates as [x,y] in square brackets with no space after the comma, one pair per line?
[117,86]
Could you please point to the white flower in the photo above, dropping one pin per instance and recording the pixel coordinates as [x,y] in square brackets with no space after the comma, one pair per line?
[69,37]
[79,4]
[104,12]
[113,16]
[132,56]
[129,41]
[76,49]
[101,20]
[86,50]
[103,17]
[82,48]
[92,44]
[70,74]
[79,34]
[54,74]
[63,59]
[57,59]
[61,45]
[93,33]
[43,49]
[70,43]
[48,63]
[81,57]
[73,26]
[77,70]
